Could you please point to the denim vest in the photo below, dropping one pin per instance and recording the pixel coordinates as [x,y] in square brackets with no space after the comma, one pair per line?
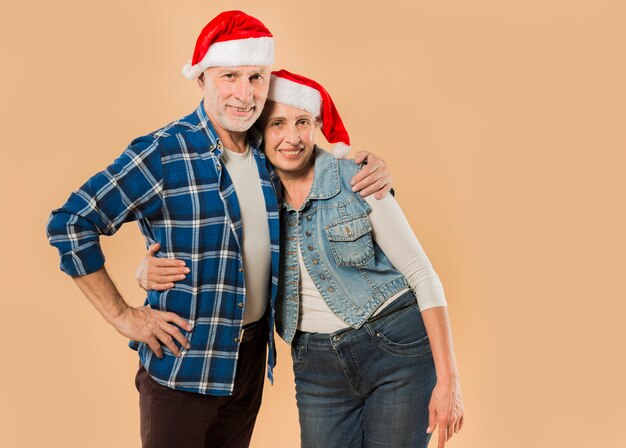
[350,271]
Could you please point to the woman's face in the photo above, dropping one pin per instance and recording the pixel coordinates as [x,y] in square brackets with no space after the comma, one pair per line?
[289,137]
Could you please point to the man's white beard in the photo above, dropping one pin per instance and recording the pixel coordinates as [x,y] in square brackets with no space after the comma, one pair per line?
[235,126]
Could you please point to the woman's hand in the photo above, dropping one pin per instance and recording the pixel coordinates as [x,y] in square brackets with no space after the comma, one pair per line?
[445,410]
[159,274]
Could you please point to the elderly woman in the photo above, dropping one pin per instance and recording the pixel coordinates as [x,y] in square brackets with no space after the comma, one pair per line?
[359,301]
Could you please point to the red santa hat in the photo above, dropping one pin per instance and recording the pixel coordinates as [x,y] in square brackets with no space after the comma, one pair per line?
[306,94]
[232,38]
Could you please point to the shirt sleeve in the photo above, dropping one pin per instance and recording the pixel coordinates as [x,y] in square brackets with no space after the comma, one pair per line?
[393,234]
[128,190]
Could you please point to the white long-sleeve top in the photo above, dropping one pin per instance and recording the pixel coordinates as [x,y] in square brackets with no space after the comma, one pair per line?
[393,234]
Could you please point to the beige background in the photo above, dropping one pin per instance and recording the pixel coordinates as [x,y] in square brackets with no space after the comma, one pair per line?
[502,122]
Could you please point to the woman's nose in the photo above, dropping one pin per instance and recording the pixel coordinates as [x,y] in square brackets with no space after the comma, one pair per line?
[293,136]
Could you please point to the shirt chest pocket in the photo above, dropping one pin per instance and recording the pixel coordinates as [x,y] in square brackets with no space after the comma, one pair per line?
[351,241]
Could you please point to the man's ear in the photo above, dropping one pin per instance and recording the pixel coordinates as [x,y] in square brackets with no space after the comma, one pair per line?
[201,80]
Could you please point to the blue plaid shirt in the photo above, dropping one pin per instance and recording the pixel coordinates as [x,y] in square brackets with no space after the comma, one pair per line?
[173,183]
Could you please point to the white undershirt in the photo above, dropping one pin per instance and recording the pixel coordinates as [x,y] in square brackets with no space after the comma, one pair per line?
[255,250]
[393,234]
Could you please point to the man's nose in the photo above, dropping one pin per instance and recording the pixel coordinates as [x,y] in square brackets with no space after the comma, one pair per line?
[243,90]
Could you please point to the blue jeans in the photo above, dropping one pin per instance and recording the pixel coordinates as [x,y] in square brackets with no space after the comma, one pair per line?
[368,387]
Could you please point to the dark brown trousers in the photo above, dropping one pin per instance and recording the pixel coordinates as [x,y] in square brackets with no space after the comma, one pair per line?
[177,419]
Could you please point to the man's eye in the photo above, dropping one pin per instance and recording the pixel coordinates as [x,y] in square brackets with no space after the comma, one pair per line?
[302,122]
[228,76]
[255,77]
[276,123]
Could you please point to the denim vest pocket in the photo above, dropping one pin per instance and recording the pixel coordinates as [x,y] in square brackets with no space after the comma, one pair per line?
[351,241]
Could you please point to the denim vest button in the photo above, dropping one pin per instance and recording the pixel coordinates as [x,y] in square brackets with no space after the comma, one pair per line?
[309,217]
[307,233]
[322,276]
[310,247]
[314,261]
[331,289]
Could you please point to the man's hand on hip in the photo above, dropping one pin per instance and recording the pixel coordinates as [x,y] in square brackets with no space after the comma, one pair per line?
[141,324]
[150,326]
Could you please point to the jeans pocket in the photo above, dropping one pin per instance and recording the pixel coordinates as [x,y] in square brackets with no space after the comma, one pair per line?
[298,356]
[403,333]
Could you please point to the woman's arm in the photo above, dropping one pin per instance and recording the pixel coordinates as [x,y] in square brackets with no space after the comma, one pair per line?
[394,235]
[446,405]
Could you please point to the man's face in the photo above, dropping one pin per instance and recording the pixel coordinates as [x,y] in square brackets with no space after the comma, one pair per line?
[234,96]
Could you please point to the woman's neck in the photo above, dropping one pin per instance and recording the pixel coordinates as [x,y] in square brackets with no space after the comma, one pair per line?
[296,186]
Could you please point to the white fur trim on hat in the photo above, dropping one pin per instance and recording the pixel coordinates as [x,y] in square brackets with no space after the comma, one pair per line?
[341,150]
[294,94]
[231,53]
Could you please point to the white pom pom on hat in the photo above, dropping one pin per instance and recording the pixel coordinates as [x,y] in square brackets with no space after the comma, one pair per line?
[232,38]
[306,94]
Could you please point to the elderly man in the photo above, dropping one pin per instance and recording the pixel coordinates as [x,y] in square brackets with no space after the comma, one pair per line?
[199,188]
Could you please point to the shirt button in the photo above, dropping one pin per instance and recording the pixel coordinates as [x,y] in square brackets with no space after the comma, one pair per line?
[314,261]
[331,289]
[219,167]
[240,304]
[240,268]
[307,233]
[310,248]
[236,339]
